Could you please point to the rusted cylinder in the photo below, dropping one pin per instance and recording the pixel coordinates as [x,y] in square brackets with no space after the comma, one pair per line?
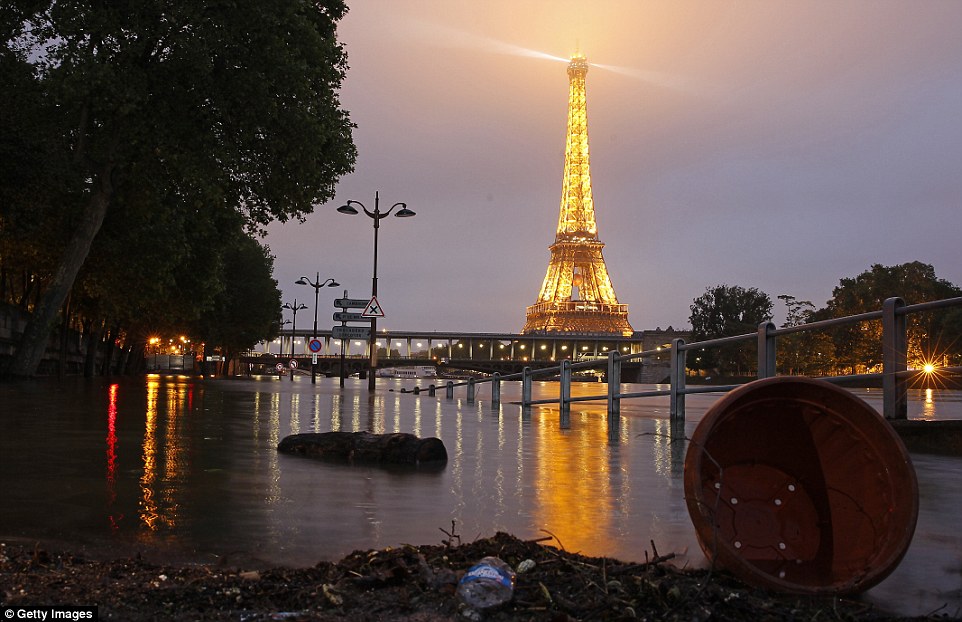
[796,485]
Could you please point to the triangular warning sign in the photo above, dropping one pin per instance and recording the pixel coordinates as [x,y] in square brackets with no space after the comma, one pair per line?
[373,309]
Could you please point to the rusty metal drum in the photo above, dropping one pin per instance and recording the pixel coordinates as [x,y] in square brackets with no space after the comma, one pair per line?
[796,485]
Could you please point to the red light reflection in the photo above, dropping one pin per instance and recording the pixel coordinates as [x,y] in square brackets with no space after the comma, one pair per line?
[112,450]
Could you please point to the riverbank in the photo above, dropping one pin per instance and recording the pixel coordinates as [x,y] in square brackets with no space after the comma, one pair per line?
[408,583]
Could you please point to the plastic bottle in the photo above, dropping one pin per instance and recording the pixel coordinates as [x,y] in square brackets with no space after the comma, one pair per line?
[488,583]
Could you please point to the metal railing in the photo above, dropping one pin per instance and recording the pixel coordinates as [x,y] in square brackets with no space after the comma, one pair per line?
[895,374]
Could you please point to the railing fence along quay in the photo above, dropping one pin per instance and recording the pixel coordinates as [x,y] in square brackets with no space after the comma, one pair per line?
[895,373]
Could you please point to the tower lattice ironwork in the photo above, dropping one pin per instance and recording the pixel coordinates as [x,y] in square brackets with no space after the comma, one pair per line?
[577,295]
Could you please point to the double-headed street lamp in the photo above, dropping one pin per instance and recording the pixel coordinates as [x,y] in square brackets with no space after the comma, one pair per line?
[317,285]
[293,306]
[376,215]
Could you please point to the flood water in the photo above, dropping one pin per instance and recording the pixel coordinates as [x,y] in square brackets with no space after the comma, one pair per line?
[186,469]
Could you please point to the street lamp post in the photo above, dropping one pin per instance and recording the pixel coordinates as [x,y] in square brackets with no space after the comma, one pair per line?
[294,307]
[317,285]
[376,215]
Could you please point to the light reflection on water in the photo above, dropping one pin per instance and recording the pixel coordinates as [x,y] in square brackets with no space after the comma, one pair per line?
[190,468]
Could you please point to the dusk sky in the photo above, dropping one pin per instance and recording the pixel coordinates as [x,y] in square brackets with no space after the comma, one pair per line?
[782,146]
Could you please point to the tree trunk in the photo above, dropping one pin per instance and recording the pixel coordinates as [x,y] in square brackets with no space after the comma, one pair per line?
[93,343]
[64,331]
[107,369]
[35,338]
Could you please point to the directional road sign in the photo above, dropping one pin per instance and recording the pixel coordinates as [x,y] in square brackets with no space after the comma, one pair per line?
[344,316]
[351,303]
[351,332]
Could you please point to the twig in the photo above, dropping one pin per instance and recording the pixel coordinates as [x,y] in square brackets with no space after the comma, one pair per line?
[452,536]
[558,540]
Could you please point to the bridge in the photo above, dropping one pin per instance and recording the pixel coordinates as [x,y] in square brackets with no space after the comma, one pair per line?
[454,352]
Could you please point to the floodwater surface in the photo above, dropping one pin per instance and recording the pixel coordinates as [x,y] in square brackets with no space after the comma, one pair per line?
[188,469]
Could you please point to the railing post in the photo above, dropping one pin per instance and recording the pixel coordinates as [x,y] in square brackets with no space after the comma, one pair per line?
[677,380]
[564,399]
[431,390]
[526,386]
[449,390]
[496,388]
[470,389]
[894,360]
[766,350]
[614,383]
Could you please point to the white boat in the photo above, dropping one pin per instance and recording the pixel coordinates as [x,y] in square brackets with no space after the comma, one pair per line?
[420,371]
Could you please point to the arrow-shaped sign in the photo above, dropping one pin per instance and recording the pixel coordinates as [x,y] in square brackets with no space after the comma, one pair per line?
[344,316]
[350,332]
[351,303]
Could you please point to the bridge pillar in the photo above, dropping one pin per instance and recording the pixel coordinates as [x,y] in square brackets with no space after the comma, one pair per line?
[496,388]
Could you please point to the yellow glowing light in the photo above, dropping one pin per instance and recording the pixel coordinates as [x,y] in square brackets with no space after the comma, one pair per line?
[928,368]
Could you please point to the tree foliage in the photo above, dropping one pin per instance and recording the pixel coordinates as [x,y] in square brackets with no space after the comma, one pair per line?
[931,335]
[146,126]
[245,311]
[809,353]
[724,311]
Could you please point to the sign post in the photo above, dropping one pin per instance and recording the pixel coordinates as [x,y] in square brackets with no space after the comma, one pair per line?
[345,332]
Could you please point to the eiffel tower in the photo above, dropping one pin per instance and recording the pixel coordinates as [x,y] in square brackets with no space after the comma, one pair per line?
[577,296]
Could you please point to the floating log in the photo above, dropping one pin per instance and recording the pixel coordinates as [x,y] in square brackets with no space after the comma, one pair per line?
[366,447]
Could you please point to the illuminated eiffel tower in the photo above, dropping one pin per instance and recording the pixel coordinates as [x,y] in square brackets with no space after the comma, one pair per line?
[577,296]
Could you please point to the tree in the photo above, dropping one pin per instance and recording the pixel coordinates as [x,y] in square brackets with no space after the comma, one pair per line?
[808,352]
[724,311]
[245,311]
[858,346]
[213,106]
